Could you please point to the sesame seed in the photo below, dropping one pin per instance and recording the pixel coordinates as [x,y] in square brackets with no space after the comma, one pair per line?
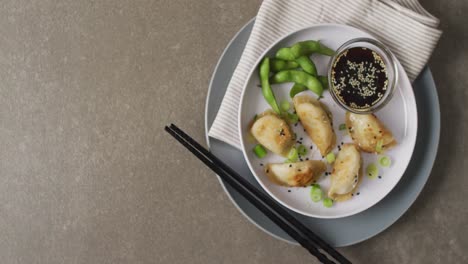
[290,165]
[289,190]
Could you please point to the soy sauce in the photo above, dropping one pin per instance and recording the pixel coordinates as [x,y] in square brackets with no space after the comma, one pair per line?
[359,77]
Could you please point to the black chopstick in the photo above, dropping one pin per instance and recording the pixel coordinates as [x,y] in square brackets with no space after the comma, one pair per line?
[257,203]
[269,207]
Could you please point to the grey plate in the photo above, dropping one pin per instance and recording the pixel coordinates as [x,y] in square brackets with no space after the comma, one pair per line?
[343,231]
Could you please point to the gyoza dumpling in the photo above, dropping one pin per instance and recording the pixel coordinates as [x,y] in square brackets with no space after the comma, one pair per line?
[295,174]
[273,133]
[366,131]
[346,174]
[316,120]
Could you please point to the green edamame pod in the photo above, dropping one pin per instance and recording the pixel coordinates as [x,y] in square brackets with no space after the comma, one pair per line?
[299,77]
[266,88]
[307,65]
[310,46]
[324,81]
[277,65]
[285,54]
[303,48]
[297,88]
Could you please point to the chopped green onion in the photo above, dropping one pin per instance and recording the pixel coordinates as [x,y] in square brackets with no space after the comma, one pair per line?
[316,193]
[342,127]
[293,156]
[285,105]
[255,117]
[293,118]
[302,150]
[287,161]
[260,151]
[327,202]
[330,157]
[379,146]
[372,171]
[385,161]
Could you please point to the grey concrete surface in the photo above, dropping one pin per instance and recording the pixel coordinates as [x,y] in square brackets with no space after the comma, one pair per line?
[88,176]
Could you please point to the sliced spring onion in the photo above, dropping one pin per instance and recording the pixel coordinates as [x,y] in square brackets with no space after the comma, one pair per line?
[372,171]
[342,127]
[330,157]
[385,161]
[302,150]
[316,193]
[327,202]
[293,156]
[379,146]
[259,151]
[285,105]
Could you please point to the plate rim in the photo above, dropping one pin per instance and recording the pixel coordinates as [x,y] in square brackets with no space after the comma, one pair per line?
[243,145]
[433,143]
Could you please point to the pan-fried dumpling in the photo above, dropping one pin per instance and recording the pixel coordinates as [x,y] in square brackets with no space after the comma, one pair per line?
[295,174]
[273,133]
[366,131]
[346,174]
[316,120]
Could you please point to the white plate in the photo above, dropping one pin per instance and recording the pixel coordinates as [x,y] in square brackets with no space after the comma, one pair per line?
[399,115]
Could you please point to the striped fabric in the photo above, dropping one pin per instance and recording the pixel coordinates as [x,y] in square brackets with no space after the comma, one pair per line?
[403,25]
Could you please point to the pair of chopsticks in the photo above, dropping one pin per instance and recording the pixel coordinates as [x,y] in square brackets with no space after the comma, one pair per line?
[304,236]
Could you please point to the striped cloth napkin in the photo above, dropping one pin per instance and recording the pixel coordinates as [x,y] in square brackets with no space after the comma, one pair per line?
[403,25]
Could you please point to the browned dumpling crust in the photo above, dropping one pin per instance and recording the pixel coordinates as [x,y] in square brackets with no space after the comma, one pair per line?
[296,174]
[346,173]
[273,132]
[317,121]
[367,130]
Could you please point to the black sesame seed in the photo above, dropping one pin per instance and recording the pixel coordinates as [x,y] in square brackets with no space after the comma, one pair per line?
[301,159]
[323,157]
[289,190]
[380,177]
[307,158]
[341,143]
[295,125]
[301,139]
[290,165]
[298,169]
[311,147]
[304,130]
[358,193]
[352,194]
[267,171]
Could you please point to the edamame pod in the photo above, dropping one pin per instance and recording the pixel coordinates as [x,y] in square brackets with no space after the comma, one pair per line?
[299,77]
[307,65]
[285,54]
[267,92]
[324,81]
[297,88]
[303,48]
[277,65]
[310,46]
